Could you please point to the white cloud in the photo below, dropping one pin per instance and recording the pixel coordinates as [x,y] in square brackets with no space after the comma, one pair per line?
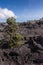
[6,13]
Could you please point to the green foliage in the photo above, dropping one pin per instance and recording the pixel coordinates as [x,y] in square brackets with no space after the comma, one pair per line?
[12,25]
[11,30]
[16,40]
[18,37]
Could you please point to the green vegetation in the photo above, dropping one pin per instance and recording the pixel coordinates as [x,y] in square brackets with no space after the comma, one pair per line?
[11,35]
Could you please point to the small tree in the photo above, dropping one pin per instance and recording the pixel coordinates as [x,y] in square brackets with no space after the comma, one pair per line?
[11,34]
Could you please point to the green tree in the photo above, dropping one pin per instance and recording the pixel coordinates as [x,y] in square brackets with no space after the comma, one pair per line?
[11,34]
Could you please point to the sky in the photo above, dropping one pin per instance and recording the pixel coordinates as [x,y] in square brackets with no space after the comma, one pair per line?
[22,10]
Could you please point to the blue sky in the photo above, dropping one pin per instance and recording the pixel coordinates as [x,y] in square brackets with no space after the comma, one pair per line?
[23,9]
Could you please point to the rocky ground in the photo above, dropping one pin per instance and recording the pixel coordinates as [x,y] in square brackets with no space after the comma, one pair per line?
[31,53]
